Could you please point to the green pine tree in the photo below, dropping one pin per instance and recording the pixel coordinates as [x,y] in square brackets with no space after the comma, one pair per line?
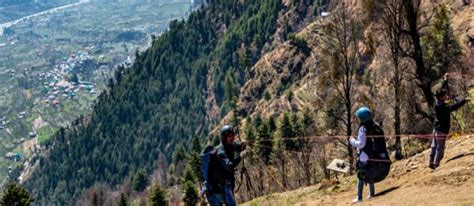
[195,144]
[286,131]
[189,174]
[298,130]
[179,154]
[244,58]
[194,165]
[272,124]
[249,130]
[265,140]
[16,195]
[139,181]
[440,47]
[307,122]
[285,126]
[191,194]
[230,92]
[157,196]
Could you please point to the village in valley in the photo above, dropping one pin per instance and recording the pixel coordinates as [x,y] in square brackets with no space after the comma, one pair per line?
[53,90]
[53,67]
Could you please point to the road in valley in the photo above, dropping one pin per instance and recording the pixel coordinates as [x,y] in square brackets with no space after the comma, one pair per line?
[49,11]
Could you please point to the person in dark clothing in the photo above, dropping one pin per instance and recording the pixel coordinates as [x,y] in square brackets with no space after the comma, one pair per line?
[442,122]
[222,167]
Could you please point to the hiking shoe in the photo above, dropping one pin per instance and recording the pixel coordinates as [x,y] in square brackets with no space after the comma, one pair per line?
[370,196]
[432,166]
[356,200]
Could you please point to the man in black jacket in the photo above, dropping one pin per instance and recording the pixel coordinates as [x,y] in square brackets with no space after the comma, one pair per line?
[442,122]
[221,169]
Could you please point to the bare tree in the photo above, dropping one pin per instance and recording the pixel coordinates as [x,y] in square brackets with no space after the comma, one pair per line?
[392,26]
[307,152]
[413,12]
[341,53]
[323,162]
[280,160]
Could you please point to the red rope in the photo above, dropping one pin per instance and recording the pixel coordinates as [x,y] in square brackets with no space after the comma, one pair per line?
[306,153]
[303,153]
[420,136]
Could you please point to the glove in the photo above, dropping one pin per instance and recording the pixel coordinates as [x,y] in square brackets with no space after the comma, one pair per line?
[243,153]
[352,140]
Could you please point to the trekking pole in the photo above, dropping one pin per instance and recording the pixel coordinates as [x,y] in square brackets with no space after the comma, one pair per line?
[243,171]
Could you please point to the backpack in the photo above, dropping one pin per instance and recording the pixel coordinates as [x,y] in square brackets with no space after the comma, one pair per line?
[375,146]
[206,156]
[379,163]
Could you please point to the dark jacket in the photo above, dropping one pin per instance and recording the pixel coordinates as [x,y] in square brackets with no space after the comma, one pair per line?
[443,111]
[222,167]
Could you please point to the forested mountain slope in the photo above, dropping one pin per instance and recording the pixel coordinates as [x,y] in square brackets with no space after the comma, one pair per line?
[158,103]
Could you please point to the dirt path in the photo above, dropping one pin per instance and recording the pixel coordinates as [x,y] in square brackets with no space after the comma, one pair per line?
[410,183]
